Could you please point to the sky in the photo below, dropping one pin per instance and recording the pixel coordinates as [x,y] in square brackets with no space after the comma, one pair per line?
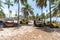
[15,8]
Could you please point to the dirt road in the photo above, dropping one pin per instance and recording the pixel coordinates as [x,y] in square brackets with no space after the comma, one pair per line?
[29,33]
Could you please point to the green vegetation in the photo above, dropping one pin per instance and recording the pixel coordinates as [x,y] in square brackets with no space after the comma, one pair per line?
[2,15]
[28,11]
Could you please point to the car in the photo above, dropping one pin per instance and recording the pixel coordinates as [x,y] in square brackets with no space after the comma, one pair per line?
[24,21]
[38,23]
[9,24]
[15,23]
[53,24]
[47,23]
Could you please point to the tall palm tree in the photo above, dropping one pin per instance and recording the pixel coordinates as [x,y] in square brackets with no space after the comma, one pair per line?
[22,1]
[55,8]
[27,9]
[7,2]
[18,2]
[40,3]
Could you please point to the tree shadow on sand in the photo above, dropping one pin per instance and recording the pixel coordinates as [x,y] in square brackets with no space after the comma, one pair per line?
[26,25]
[48,29]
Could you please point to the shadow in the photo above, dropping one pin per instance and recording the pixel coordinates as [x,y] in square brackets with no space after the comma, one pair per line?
[48,29]
[1,29]
[16,26]
[56,29]
[26,25]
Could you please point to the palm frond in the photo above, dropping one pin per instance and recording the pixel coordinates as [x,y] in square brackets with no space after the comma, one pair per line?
[23,2]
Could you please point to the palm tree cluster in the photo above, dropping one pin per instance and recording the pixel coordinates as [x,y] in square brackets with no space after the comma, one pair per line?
[28,10]
[2,15]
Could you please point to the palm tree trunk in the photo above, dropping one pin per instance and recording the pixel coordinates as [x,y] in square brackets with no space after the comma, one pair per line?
[9,13]
[18,10]
[50,12]
[41,10]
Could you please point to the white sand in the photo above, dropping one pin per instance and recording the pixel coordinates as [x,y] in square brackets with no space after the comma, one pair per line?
[28,33]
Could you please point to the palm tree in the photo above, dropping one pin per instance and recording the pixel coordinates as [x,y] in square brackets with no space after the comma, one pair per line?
[7,2]
[43,16]
[40,3]
[37,15]
[22,2]
[27,9]
[56,8]
[10,13]
[2,15]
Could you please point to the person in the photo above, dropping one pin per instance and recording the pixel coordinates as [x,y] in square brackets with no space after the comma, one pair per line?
[1,25]
[34,21]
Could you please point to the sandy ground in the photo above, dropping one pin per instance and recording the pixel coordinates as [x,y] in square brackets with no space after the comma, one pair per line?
[30,33]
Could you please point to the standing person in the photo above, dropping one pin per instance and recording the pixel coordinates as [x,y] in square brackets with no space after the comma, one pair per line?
[1,25]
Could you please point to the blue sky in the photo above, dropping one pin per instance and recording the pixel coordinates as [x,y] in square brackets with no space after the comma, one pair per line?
[15,7]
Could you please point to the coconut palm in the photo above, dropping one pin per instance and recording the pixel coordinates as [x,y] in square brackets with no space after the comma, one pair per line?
[7,2]
[41,3]
[2,15]
[18,2]
[27,9]
[22,1]
[56,8]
